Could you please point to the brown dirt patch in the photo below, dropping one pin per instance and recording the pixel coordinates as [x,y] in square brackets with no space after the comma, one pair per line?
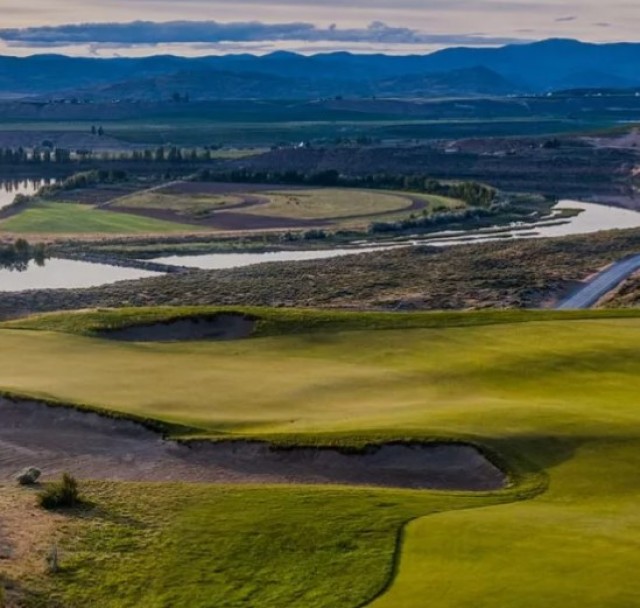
[220,327]
[90,446]
[26,532]
[245,222]
[96,195]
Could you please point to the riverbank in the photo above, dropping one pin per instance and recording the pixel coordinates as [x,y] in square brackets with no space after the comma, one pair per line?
[516,274]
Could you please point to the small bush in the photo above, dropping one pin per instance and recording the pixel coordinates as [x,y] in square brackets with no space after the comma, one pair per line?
[62,495]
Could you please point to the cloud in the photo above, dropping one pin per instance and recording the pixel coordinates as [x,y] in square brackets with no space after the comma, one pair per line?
[213,32]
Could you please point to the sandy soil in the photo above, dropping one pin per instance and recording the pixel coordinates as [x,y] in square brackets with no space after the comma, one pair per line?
[27,534]
[220,327]
[58,439]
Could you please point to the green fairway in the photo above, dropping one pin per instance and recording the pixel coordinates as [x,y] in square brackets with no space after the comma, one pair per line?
[549,392]
[475,379]
[71,218]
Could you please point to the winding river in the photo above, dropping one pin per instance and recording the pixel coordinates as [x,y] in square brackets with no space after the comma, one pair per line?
[591,218]
[220,261]
[68,274]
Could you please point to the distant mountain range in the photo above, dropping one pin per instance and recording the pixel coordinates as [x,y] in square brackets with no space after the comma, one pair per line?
[535,68]
[212,84]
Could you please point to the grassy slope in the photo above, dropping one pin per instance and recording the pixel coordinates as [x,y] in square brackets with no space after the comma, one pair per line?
[322,381]
[70,218]
[202,546]
[563,395]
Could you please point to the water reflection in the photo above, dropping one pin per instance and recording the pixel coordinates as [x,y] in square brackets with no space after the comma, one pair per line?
[21,265]
[10,188]
[591,218]
[221,261]
[57,273]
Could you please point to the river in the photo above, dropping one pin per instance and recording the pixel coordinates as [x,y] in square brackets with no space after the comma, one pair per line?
[221,261]
[67,274]
[9,189]
[591,218]
[58,273]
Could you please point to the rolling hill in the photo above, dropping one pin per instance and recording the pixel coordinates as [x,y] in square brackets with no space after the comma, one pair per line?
[536,68]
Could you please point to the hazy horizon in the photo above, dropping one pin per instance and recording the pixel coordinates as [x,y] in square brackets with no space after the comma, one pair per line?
[202,27]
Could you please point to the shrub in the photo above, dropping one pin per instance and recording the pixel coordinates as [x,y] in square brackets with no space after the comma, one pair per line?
[62,495]
[28,477]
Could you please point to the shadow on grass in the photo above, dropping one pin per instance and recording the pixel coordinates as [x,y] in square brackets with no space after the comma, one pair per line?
[26,594]
[93,512]
[542,451]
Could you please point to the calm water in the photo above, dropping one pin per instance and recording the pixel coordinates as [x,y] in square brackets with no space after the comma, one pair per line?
[10,188]
[593,218]
[221,261]
[67,274]
[58,273]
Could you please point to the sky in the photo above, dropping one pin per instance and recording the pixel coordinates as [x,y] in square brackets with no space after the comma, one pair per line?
[109,28]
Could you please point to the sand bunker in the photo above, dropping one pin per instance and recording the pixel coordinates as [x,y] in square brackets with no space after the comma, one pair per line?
[218,327]
[90,446]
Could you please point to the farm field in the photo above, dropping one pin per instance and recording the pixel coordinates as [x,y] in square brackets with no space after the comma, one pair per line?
[554,395]
[254,207]
[72,218]
[258,132]
[186,207]
[338,204]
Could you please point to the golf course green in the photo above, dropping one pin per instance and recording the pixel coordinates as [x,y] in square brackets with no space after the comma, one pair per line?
[553,397]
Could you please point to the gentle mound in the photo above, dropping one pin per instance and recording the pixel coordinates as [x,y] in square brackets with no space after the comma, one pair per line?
[218,327]
[91,446]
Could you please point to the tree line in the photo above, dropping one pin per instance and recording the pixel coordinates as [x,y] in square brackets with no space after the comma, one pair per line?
[84,179]
[51,155]
[22,156]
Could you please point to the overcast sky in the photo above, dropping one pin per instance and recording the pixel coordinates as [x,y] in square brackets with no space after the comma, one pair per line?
[215,26]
